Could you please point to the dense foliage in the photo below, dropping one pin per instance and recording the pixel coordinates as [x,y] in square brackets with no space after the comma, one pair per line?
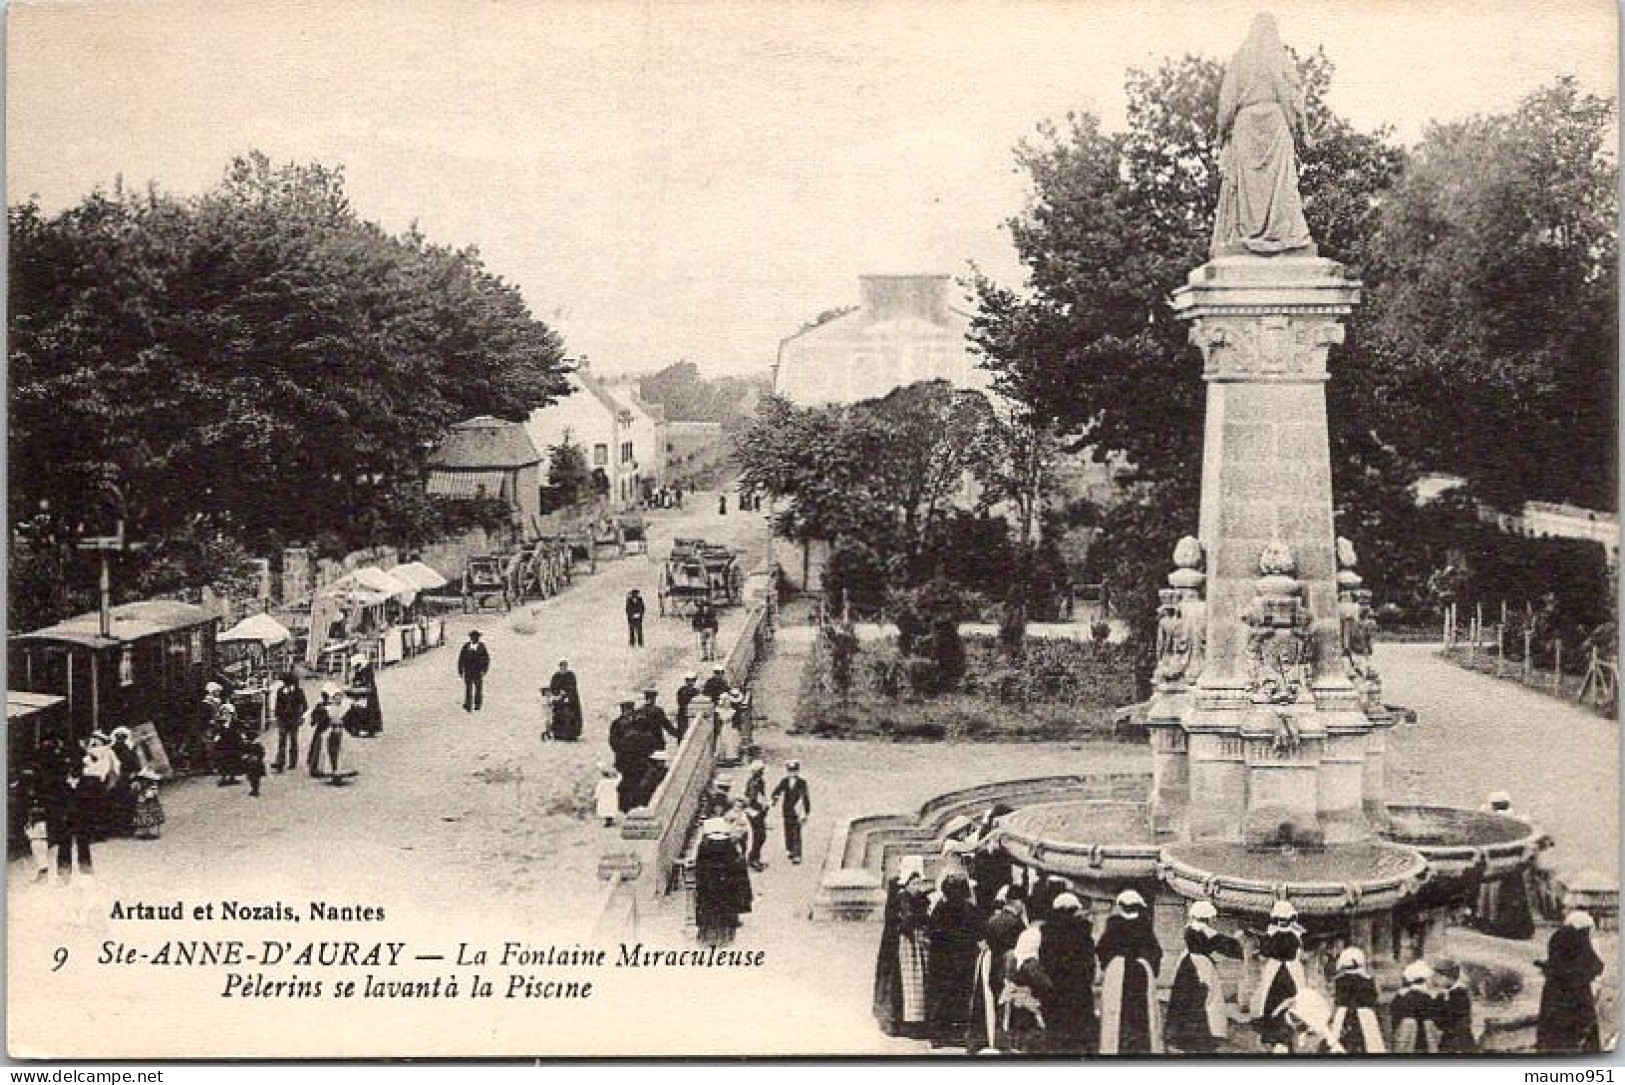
[689,397]
[1088,349]
[260,365]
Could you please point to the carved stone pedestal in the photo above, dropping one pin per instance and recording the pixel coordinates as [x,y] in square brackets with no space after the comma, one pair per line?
[1268,744]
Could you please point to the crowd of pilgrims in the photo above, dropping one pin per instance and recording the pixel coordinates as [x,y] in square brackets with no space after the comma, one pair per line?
[993,957]
[76,793]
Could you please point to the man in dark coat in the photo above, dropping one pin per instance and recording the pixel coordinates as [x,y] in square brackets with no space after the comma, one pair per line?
[685,693]
[472,663]
[654,718]
[68,821]
[1568,1009]
[1067,955]
[634,618]
[756,808]
[630,767]
[716,685]
[288,708]
[565,697]
[792,792]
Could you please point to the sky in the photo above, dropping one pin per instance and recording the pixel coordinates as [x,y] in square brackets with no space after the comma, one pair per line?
[696,179]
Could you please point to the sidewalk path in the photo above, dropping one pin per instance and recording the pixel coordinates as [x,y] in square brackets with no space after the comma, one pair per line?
[1476,734]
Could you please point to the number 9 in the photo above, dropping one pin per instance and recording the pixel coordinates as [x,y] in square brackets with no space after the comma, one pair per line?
[59,958]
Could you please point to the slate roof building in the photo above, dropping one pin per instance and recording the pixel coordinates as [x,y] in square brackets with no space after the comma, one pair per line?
[488,457]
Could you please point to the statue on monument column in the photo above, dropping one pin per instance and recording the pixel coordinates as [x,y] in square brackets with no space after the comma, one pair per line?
[1261,122]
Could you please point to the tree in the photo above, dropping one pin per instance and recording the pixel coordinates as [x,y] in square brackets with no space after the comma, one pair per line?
[1088,349]
[1497,258]
[689,397]
[257,356]
[569,479]
[888,473]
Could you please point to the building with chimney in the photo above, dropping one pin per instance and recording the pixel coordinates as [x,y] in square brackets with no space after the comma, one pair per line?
[622,438]
[904,330]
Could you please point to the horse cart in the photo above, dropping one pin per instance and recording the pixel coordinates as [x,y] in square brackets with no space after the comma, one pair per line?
[634,534]
[539,569]
[697,571]
[486,584]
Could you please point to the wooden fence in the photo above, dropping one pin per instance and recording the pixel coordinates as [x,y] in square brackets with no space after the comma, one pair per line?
[1517,652]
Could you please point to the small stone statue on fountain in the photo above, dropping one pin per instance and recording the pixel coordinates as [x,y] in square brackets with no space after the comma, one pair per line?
[1182,618]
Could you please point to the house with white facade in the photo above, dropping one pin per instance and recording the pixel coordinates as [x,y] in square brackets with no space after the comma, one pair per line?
[623,441]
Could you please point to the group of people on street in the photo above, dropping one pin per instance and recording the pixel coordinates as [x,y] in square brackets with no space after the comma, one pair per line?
[995,957]
[665,497]
[76,794]
[733,829]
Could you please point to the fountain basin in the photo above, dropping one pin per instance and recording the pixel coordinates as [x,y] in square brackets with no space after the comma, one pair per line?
[1458,842]
[1340,880]
[1092,840]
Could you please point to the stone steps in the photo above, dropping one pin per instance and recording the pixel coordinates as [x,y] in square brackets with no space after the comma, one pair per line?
[864,851]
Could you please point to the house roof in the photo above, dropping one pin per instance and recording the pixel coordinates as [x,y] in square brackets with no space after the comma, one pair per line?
[484,443]
[597,389]
[131,622]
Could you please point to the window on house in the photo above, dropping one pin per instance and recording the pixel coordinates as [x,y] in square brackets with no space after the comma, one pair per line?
[626,451]
[126,666]
[600,455]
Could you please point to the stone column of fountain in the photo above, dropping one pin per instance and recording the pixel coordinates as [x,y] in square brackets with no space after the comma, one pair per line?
[1273,729]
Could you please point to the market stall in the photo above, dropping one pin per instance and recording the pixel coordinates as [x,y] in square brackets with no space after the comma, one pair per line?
[253,653]
[361,613]
[422,630]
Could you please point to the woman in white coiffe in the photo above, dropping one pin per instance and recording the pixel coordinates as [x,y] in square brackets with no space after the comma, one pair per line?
[1354,1001]
[1282,977]
[1129,1014]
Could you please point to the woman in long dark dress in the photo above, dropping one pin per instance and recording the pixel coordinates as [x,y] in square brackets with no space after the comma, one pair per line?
[1568,1009]
[1197,1018]
[1413,1014]
[953,930]
[1129,952]
[363,693]
[984,1030]
[721,884]
[1354,996]
[1504,909]
[1282,976]
[566,701]
[1068,956]
[900,963]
